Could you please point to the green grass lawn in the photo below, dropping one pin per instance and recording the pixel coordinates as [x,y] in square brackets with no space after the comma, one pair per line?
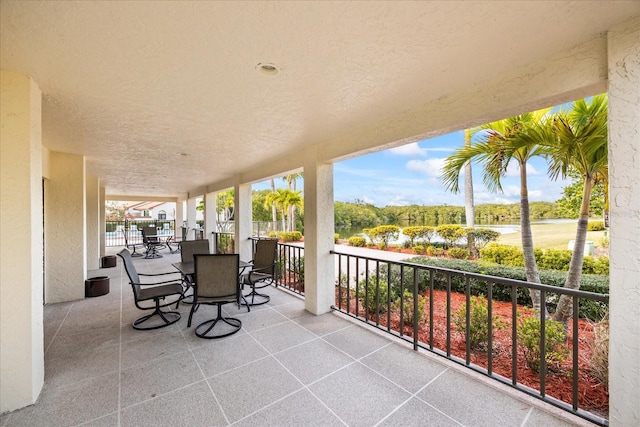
[554,236]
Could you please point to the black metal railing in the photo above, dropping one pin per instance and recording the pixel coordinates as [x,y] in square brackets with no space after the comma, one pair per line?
[415,302]
[128,233]
[290,267]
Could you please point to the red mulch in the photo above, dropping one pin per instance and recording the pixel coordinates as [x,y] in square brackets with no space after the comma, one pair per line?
[592,395]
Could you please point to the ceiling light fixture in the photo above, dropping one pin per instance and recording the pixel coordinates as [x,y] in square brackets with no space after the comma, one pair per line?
[268,69]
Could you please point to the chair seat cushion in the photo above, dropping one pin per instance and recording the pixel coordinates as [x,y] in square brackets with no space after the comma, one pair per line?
[151,292]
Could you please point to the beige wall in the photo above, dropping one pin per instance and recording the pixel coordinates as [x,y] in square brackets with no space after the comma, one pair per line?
[21,280]
[624,192]
[66,253]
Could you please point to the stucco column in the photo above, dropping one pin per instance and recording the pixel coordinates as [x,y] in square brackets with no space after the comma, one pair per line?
[65,223]
[209,215]
[93,222]
[243,217]
[21,314]
[102,218]
[191,217]
[179,217]
[319,294]
[624,193]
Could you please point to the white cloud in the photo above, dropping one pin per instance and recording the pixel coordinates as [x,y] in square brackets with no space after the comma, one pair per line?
[429,167]
[408,150]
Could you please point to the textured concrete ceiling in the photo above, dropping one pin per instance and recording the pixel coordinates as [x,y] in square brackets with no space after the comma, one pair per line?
[163,97]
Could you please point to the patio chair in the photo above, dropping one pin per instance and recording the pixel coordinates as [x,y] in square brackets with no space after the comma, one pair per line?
[216,283]
[188,249]
[152,242]
[155,291]
[262,274]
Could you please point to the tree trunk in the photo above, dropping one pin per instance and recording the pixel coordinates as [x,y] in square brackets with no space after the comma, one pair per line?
[468,185]
[274,211]
[565,305]
[531,269]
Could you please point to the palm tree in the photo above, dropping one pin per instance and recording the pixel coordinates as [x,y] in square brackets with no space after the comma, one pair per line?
[468,184]
[274,211]
[291,186]
[501,142]
[579,144]
[293,200]
[277,198]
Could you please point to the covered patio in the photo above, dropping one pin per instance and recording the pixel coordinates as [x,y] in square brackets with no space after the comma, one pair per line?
[177,101]
[286,367]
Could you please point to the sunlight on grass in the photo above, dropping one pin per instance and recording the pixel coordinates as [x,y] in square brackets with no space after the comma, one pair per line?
[551,236]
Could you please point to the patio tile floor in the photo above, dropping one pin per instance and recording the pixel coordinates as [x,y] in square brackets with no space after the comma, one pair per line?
[285,367]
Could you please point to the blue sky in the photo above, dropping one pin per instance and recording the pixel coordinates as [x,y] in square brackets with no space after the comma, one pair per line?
[410,174]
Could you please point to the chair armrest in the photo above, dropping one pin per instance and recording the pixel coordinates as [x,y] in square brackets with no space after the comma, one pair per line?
[162,282]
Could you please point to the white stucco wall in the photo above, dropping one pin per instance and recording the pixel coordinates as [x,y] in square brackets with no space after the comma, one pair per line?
[93,222]
[65,207]
[624,192]
[318,234]
[21,313]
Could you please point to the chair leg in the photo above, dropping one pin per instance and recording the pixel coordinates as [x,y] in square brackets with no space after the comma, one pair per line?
[168,317]
[205,327]
[253,294]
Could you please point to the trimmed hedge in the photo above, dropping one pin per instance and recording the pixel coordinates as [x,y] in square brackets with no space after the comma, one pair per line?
[357,241]
[592,283]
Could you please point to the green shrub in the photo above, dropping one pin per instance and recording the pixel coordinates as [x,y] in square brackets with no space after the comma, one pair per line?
[336,237]
[458,253]
[374,294]
[502,254]
[357,241]
[419,233]
[290,236]
[555,259]
[433,251]
[451,233]
[419,249]
[529,339]
[599,346]
[589,309]
[273,234]
[382,234]
[478,330]
[591,265]
[595,226]
[407,307]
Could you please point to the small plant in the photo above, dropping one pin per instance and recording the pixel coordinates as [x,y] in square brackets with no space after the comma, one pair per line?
[478,329]
[290,236]
[433,251]
[407,307]
[373,295]
[419,249]
[458,253]
[529,339]
[357,241]
[336,237]
[595,226]
[604,242]
[599,346]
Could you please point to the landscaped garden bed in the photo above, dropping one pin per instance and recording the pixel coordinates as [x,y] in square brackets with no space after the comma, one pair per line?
[592,393]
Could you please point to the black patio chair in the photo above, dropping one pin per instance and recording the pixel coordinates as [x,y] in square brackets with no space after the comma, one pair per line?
[188,249]
[156,291]
[151,242]
[262,273]
[216,283]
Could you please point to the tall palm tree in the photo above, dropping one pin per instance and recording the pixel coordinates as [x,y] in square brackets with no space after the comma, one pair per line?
[274,211]
[291,186]
[579,144]
[500,144]
[468,185]
[277,198]
[293,200]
